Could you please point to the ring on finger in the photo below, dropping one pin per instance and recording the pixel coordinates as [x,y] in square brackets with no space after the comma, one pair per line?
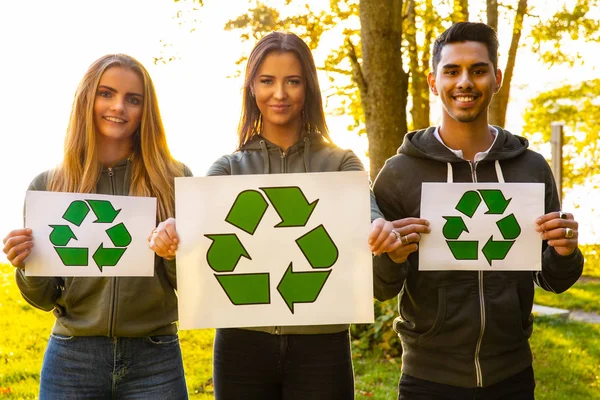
[569,233]
[562,215]
[397,234]
[404,240]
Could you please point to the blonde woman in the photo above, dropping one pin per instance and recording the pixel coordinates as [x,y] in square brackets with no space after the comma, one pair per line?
[114,337]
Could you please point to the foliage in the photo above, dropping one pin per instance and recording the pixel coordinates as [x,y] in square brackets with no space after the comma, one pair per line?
[591,252]
[577,106]
[379,336]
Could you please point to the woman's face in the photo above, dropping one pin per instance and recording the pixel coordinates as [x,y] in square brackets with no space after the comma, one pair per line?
[118,104]
[279,88]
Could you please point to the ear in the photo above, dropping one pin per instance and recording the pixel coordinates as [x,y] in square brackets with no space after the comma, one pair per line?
[431,82]
[251,87]
[498,80]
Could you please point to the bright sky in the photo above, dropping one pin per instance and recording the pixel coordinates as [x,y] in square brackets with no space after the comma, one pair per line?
[47,46]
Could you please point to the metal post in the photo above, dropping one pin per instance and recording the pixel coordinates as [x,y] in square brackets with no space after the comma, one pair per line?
[557,144]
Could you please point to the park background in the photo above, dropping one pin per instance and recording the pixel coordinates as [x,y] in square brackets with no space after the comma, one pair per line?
[192,49]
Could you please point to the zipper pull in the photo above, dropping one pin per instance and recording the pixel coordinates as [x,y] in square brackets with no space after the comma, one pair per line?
[110,171]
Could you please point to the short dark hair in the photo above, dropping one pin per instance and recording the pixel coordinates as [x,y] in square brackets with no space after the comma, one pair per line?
[466,32]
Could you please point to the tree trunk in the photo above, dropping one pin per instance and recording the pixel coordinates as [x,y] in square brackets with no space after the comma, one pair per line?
[419,88]
[492,14]
[497,110]
[385,81]
[461,11]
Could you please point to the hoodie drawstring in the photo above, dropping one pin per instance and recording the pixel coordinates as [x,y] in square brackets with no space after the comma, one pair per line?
[499,173]
[306,156]
[265,154]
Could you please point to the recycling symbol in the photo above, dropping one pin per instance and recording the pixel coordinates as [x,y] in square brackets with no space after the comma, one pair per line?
[76,213]
[493,249]
[246,213]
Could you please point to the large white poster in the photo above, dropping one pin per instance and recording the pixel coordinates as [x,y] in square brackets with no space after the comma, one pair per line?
[89,234]
[481,226]
[264,250]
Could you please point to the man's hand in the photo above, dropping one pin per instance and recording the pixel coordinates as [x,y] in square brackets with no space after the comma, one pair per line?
[560,230]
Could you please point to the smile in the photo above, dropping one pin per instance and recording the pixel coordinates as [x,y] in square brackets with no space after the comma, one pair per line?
[115,119]
[465,99]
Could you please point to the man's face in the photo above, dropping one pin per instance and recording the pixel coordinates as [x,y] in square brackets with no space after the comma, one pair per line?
[465,80]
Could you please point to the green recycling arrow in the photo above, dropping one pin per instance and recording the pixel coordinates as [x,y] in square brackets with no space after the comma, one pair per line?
[464,249]
[243,289]
[318,248]
[104,210]
[225,252]
[301,287]
[509,227]
[247,211]
[61,235]
[73,256]
[494,200]
[76,212]
[291,205]
[119,235]
[468,203]
[453,227]
[107,257]
[496,249]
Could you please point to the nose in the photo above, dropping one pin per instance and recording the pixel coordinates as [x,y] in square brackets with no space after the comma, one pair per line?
[280,92]
[118,104]
[465,81]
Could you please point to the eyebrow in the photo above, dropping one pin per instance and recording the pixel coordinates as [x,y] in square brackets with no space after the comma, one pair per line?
[476,65]
[287,77]
[115,91]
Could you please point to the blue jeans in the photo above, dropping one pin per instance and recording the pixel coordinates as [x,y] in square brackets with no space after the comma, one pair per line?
[99,367]
[254,365]
[520,386]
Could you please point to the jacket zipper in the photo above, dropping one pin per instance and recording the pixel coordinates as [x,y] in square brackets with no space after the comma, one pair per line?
[478,372]
[113,300]
[283,170]
[283,162]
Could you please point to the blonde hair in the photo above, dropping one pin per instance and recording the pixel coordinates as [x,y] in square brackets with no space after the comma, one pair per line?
[313,116]
[153,167]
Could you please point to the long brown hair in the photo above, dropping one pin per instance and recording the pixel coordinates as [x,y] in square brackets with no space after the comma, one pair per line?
[313,115]
[153,167]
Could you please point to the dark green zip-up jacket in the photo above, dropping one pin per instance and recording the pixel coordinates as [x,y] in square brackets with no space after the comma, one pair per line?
[311,154]
[107,306]
[464,328]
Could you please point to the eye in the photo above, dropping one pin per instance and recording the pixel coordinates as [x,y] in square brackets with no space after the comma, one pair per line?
[105,93]
[136,101]
[479,72]
[450,72]
[294,81]
[266,81]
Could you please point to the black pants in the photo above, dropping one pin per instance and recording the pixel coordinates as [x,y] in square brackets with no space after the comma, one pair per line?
[518,387]
[253,365]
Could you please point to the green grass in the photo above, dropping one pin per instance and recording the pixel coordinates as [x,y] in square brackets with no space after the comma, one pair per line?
[581,296]
[567,354]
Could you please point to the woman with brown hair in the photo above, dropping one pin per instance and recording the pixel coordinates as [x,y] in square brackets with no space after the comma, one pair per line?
[283,130]
[114,337]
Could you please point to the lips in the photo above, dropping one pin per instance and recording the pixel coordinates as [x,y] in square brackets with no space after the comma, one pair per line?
[464,99]
[279,107]
[115,119]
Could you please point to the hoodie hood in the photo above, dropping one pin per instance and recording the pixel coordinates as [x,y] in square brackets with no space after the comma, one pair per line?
[423,144]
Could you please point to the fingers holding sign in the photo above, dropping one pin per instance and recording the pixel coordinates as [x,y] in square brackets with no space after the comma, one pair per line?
[560,230]
[164,239]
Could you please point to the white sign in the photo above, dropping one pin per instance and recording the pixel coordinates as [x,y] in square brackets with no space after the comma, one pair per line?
[78,234]
[265,250]
[481,226]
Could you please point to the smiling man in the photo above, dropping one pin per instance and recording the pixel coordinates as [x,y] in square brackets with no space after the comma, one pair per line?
[465,333]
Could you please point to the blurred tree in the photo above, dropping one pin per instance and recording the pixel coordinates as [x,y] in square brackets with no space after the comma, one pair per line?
[577,106]
[382,56]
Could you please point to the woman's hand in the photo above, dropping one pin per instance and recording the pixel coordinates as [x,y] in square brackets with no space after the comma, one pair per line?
[17,246]
[164,239]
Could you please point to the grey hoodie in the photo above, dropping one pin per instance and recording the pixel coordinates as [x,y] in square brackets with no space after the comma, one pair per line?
[464,328]
[311,154]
